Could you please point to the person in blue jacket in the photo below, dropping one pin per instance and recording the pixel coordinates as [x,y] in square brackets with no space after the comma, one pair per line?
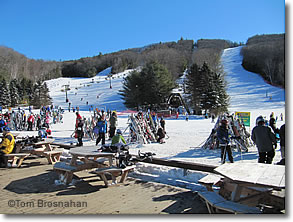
[2,124]
[102,129]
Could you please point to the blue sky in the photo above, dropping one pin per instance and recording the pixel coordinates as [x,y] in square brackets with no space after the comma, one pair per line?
[71,29]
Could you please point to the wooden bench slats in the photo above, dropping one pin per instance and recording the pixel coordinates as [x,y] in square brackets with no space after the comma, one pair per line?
[237,208]
[112,169]
[214,200]
[17,154]
[64,167]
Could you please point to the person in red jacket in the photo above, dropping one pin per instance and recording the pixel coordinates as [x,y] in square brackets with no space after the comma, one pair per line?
[78,117]
[30,122]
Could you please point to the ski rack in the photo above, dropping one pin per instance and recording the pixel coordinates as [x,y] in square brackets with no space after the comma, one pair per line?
[240,137]
[141,130]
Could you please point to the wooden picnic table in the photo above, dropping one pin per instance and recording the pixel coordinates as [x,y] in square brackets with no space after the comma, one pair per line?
[244,187]
[44,148]
[89,151]
[83,158]
[255,175]
[45,144]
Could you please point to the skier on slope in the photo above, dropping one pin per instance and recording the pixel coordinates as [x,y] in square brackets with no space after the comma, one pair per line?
[223,136]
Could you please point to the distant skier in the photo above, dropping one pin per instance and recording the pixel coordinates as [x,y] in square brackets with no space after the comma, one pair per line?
[224,140]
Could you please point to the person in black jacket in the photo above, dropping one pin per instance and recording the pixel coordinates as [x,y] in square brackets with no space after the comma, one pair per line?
[282,144]
[265,141]
[272,123]
[160,135]
[79,132]
[224,140]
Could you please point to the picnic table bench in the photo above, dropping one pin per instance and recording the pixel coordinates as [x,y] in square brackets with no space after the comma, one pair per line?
[114,172]
[217,204]
[16,158]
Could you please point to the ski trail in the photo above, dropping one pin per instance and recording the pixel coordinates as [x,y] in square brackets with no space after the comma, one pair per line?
[247,90]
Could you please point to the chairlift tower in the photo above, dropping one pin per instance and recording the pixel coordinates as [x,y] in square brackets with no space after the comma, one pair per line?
[66,88]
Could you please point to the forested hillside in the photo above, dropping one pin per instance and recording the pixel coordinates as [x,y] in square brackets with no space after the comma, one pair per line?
[14,65]
[175,56]
[265,54]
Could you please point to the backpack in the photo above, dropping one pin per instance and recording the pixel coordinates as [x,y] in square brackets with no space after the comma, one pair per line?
[124,159]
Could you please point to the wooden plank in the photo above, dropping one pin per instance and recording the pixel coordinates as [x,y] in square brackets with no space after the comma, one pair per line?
[237,208]
[65,146]
[252,173]
[16,154]
[211,197]
[218,202]
[178,164]
[210,179]
[273,176]
[237,171]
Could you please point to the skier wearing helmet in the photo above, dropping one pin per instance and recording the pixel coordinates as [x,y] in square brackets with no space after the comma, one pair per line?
[118,140]
[224,140]
[264,139]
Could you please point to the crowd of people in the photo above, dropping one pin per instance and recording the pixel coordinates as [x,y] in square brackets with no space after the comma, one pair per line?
[265,136]
[103,125]
[19,120]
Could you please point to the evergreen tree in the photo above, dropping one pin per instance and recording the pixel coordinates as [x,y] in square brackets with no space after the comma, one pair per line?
[206,89]
[41,95]
[29,90]
[132,90]
[150,87]
[13,89]
[4,94]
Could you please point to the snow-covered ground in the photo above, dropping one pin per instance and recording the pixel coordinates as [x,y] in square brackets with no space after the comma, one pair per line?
[248,93]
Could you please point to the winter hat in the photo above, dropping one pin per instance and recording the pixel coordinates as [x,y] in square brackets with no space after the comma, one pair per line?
[118,131]
[259,120]
[224,122]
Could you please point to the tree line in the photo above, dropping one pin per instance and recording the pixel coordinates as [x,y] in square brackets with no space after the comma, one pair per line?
[23,92]
[265,55]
